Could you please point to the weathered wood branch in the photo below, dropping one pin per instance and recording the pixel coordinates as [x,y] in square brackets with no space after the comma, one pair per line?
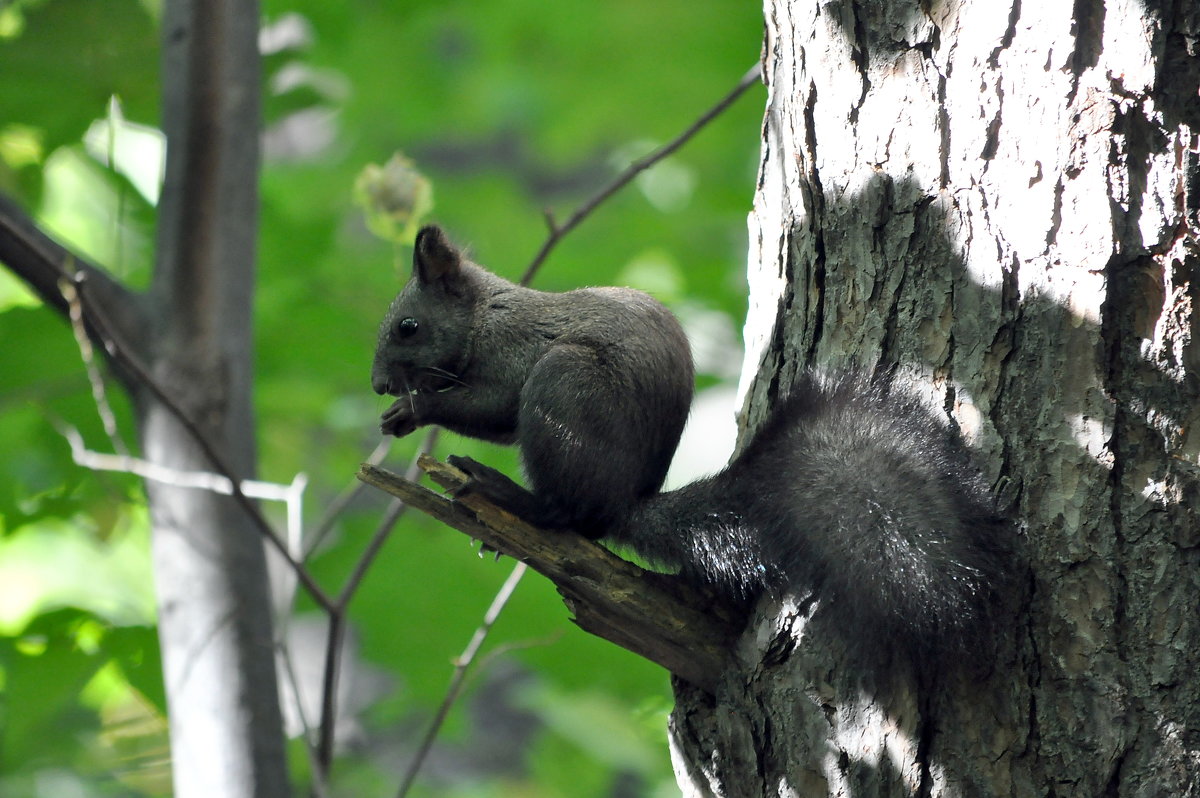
[43,264]
[35,257]
[654,615]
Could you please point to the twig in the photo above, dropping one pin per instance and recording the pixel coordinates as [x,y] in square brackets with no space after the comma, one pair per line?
[200,480]
[99,395]
[20,240]
[122,355]
[319,784]
[342,500]
[660,617]
[337,611]
[557,231]
[332,672]
[333,643]
[461,665]
[394,512]
[33,255]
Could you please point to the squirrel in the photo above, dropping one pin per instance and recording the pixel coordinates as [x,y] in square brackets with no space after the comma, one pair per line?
[852,490]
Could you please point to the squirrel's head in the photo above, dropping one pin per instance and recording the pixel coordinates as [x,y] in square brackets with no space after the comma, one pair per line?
[425,337]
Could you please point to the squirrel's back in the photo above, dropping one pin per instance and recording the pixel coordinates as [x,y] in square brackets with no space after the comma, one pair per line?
[593,384]
[856,494]
[852,492]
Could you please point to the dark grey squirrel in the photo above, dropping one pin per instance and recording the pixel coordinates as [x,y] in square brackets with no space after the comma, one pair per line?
[852,491]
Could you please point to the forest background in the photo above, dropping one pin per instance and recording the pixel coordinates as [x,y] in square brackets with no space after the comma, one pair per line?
[508,107]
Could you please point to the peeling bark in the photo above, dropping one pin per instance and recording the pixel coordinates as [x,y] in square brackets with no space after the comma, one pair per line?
[1002,198]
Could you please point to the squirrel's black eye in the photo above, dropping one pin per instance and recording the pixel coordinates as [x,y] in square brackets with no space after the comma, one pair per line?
[406,326]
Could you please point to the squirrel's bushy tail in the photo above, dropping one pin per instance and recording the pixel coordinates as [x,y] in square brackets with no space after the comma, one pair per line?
[857,494]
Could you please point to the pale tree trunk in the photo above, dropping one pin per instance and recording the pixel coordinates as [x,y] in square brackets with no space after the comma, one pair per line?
[1001,197]
[184,351]
[210,569]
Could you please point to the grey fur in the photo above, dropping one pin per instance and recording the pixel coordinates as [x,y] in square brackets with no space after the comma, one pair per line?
[851,492]
[594,384]
[856,494]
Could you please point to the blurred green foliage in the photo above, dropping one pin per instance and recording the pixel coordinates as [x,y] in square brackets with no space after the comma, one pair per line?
[508,108]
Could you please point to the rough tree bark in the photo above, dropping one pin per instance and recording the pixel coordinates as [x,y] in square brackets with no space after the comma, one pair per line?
[192,334]
[1001,198]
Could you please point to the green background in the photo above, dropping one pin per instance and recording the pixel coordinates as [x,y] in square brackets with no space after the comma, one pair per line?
[508,107]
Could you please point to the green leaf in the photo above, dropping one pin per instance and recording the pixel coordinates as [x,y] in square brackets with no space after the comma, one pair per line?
[70,57]
[44,673]
[136,650]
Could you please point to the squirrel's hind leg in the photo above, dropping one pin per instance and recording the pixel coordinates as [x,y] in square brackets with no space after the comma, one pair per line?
[586,449]
[500,490]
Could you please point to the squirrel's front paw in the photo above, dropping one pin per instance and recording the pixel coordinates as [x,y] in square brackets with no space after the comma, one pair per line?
[399,419]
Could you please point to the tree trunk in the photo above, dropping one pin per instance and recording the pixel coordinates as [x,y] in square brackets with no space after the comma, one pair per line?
[210,569]
[1002,199]
[186,347]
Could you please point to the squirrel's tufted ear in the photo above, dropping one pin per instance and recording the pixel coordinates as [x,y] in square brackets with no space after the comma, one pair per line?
[434,257]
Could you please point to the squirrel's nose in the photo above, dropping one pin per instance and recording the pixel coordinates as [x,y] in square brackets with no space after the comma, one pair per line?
[380,383]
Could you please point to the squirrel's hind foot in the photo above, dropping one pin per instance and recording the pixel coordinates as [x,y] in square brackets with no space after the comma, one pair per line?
[497,488]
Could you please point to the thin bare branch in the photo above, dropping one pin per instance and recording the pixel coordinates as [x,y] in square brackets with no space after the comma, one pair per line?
[124,356]
[342,501]
[33,256]
[337,611]
[332,671]
[99,395]
[46,266]
[461,666]
[657,616]
[394,512]
[557,231]
[320,786]
[200,480]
